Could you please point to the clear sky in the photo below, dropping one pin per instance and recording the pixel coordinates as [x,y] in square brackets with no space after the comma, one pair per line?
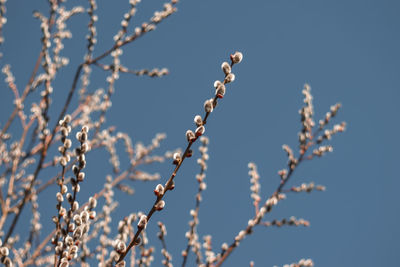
[348,51]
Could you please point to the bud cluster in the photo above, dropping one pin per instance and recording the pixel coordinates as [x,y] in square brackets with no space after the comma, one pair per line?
[77,228]
[167,11]
[320,151]
[330,114]
[306,114]
[267,207]
[77,223]
[240,236]
[210,255]
[126,20]
[119,242]
[80,151]
[338,128]
[255,184]
[292,221]
[308,188]
[292,161]
[65,130]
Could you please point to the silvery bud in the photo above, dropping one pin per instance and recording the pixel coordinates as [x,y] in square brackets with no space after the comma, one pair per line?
[226,68]
[160,205]
[237,57]
[198,120]
[190,136]
[159,190]
[142,222]
[229,78]
[208,105]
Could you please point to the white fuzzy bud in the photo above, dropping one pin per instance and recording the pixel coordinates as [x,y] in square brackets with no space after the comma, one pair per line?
[229,78]
[200,130]
[63,161]
[77,219]
[217,83]
[92,202]
[67,118]
[77,233]
[203,186]
[121,247]
[81,176]
[220,90]
[198,120]
[160,205]
[85,147]
[75,206]
[4,251]
[208,105]
[60,197]
[176,157]
[85,216]
[142,222]
[237,57]
[190,136]
[73,249]
[69,240]
[64,189]
[159,190]
[226,68]
[67,143]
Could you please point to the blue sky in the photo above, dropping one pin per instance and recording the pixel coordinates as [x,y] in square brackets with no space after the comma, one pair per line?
[348,51]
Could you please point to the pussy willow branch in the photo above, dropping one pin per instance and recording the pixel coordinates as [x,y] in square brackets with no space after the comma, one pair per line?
[279,189]
[170,181]
[249,228]
[47,141]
